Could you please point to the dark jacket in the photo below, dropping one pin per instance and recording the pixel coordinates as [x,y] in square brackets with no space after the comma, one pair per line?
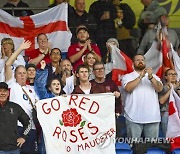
[95,88]
[129,18]
[40,84]
[86,19]
[19,13]
[105,28]
[109,86]
[10,113]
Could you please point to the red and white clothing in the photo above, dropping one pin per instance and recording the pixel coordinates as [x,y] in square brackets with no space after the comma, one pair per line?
[75,48]
[141,105]
[18,96]
[35,53]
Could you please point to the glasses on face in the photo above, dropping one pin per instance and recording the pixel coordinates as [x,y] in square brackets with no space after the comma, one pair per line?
[99,69]
[172,74]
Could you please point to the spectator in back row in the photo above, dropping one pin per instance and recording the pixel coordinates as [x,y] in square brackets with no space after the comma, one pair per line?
[77,51]
[124,23]
[149,15]
[151,35]
[16,4]
[104,13]
[81,17]
[56,2]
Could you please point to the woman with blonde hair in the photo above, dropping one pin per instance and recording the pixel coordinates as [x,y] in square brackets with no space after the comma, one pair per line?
[7,49]
[89,59]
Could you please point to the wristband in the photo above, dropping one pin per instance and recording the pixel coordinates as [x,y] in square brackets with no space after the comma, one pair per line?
[151,78]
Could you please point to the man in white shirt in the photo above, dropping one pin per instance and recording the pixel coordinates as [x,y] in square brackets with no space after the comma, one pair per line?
[22,94]
[141,105]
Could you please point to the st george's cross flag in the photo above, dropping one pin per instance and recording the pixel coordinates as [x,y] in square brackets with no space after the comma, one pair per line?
[52,22]
[120,64]
[173,128]
[176,61]
[158,56]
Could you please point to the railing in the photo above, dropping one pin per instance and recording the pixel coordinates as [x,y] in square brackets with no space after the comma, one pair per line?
[39,9]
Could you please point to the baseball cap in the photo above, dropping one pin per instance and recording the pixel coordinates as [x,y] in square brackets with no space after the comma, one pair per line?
[3,85]
[30,65]
[81,28]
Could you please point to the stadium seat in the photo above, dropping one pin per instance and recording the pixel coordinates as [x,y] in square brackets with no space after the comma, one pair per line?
[123,148]
[155,150]
[176,151]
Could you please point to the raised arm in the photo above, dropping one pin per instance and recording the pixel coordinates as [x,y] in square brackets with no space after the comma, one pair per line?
[8,71]
[41,81]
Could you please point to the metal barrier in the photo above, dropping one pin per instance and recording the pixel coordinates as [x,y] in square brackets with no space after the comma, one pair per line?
[39,9]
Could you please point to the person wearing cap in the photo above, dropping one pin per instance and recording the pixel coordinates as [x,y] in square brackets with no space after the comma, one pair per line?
[31,74]
[78,50]
[10,113]
[22,94]
[7,49]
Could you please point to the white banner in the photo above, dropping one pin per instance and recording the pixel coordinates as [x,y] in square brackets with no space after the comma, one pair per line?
[83,124]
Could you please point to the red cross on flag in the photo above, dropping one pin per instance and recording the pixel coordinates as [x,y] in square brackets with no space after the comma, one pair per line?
[173,128]
[52,22]
[121,65]
[158,57]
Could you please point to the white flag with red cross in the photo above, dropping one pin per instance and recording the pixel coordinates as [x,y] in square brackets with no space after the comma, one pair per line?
[173,128]
[158,56]
[52,22]
[120,65]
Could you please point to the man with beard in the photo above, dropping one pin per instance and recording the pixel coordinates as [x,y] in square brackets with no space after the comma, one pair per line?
[141,105]
[68,79]
[80,49]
